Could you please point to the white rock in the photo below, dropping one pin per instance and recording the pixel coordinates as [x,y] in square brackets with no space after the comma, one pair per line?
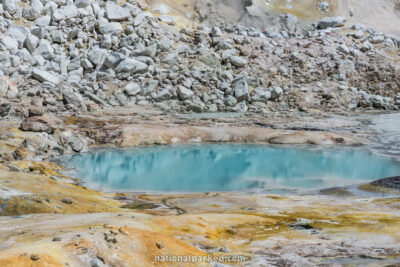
[238,61]
[167,19]
[216,32]
[115,12]
[45,76]
[96,55]
[240,89]
[358,34]
[44,49]
[15,61]
[9,5]
[7,88]
[344,49]
[39,60]
[82,3]
[113,59]
[10,43]
[19,33]
[139,18]
[276,92]
[377,39]
[132,66]
[57,37]
[330,22]
[132,89]
[86,64]
[114,28]
[43,21]
[31,43]
[65,12]
[34,11]
[184,93]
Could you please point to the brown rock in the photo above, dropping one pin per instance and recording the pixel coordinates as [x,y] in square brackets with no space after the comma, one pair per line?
[66,201]
[39,124]
[36,111]
[35,257]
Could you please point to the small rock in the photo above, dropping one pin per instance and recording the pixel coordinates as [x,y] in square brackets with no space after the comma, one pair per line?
[160,245]
[276,92]
[66,201]
[240,89]
[132,89]
[115,12]
[238,61]
[56,239]
[35,257]
[184,93]
[330,22]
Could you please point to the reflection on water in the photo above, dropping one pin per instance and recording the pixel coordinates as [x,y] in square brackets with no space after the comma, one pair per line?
[226,167]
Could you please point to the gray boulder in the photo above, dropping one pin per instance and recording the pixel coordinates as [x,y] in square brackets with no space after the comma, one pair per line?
[132,66]
[170,59]
[230,101]
[196,105]
[240,89]
[184,93]
[132,89]
[113,59]
[276,92]
[72,98]
[238,61]
[211,59]
[162,95]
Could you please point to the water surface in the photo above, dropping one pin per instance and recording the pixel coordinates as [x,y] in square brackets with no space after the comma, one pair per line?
[227,167]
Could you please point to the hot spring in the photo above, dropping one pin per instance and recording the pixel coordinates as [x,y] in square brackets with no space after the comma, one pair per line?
[227,167]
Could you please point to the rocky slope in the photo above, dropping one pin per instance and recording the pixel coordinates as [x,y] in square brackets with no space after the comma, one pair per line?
[69,56]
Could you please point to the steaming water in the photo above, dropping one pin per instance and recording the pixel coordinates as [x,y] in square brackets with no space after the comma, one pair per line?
[227,167]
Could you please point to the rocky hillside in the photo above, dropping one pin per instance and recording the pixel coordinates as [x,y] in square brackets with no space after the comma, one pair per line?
[67,56]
